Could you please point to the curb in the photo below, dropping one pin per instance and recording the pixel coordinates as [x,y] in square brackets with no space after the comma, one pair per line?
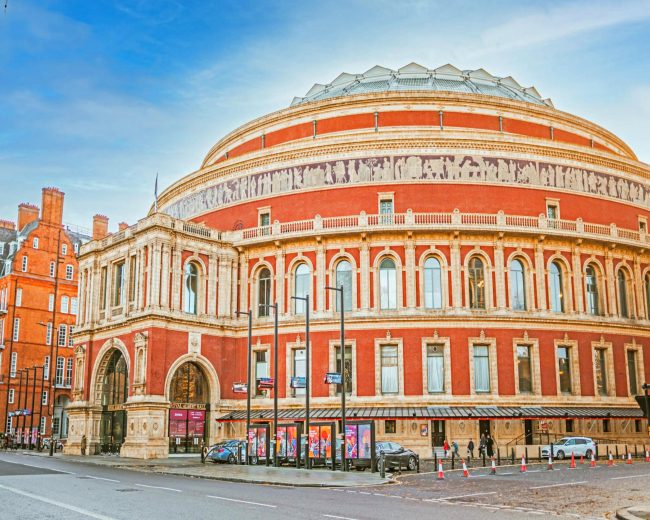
[628,513]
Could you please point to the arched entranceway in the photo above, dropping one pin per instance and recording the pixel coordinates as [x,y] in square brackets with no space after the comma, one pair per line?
[115,384]
[190,401]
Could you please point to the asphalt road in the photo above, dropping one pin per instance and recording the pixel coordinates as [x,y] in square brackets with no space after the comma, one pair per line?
[38,487]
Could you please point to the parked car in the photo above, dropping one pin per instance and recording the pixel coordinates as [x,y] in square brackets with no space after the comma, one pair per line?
[396,456]
[226,451]
[566,446]
[57,447]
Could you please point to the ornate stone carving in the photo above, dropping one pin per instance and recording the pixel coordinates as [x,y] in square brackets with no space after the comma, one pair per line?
[80,370]
[140,367]
[194,343]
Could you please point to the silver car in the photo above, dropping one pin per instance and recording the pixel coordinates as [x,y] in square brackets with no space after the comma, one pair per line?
[566,446]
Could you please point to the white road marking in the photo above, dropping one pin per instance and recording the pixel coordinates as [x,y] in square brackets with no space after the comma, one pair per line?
[630,476]
[241,501]
[339,517]
[102,478]
[159,487]
[461,496]
[35,466]
[558,485]
[56,503]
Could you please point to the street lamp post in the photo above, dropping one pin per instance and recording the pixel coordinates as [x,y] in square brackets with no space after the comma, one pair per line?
[646,388]
[340,294]
[307,378]
[248,378]
[20,396]
[31,417]
[11,350]
[274,306]
[52,376]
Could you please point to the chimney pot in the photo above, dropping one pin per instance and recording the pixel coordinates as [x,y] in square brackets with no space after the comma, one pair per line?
[27,213]
[122,226]
[100,226]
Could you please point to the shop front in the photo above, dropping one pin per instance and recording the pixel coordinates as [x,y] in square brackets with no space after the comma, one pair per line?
[189,409]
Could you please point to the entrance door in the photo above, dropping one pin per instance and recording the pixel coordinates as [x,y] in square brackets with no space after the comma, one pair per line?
[437,433]
[187,416]
[114,393]
[484,428]
[528,431]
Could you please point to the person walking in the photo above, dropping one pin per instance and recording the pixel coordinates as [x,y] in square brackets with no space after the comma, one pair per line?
[489,445]
[454,446]
[481,445]
[445,447]
[84,443]
[470,449]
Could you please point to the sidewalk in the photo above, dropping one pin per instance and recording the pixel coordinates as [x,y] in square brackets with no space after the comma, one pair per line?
[192,467]
[634,513]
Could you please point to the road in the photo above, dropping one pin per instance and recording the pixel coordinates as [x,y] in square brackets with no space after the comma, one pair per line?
[38,487]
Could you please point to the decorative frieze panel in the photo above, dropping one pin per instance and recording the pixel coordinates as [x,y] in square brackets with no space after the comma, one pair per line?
[388,168]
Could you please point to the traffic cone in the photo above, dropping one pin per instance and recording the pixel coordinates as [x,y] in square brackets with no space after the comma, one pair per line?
[465,471]
[550,464]
[629,458]
[647,456]
[441,473]
[582,459]
[523,465]
[592,464]
[493,469]
[610,460]
[573,462]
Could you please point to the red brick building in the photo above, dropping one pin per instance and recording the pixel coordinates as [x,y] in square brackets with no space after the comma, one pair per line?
[493,252]
[38,302]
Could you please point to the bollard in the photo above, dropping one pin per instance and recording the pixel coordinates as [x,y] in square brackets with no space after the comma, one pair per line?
[483,458]
[551,454]
[636,453]
[417,460]
[627,450]
[382,464]
[616,446]
[526,452]
[513,456]
[452,460]
[435,459]
[596,451]
[498,456]
[539,453]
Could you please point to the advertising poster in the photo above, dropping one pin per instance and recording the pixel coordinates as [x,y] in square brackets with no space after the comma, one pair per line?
[292,441]
[351,441]
[314,450]
[261,442]
[326,442]
[281,441]
[364,439]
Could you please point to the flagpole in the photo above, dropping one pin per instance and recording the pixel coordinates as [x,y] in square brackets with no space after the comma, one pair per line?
[155,192]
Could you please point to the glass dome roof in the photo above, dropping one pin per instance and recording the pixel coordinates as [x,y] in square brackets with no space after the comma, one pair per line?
[415,77]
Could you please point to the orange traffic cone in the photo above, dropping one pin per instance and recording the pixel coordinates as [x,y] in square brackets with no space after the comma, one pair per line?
[493,469]
[550,464]
[441,473]
[629,458]
[573,462]
[610,460]
[523,465]
[465,471]
[592,464]
[582,459]
[647,456]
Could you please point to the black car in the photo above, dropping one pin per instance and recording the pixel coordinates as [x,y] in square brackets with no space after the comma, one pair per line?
[396,456]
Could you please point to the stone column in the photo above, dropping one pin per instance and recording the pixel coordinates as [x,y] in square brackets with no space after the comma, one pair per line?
[456,285]
[212,285]
[320,278]
[155,289]
[177,275]
[223,298]
[611,283]
[499,274]
[364,260]
[164,276]
[640,311]
[409,260]
[243,281]
[576,257]
[279,281]
[83,282]
[540,276]
[149,273]
[233,287]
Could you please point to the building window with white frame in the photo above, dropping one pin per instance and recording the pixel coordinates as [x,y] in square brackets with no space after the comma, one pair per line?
[43,425]
[299,365]
[65,304]
[564,369]
[261,370]
[191,288]
[48,333]
[16,331]
[264,293]
[591,284]
[386,211]
[19,297]
[70,339]
[347,372]
[44,398]
[525,369]
[35,243]
[64,249]
[74,306]
[61,335]
[13,366]
[60,368]
[52,269]
[46,368]
[476,276]
[517,285]
[301,279]
[435,369]
[556,287]
[12,393]
[69,272]
[389,369]
[23,265]
[50,302]
[432,283]
[344,279]
[68,372]
[387,284]
[481,368]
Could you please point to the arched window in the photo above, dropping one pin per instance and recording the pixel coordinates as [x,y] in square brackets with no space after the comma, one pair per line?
[188,385]
[476,284]
[623,307]
[301,287]
[591,282]
[556,288]
[432,284]
[387,284]
[116,380]
[263,292]
[517,285]
[190,288]
[344,278]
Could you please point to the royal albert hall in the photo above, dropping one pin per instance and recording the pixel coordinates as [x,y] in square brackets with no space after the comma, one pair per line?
[493,253]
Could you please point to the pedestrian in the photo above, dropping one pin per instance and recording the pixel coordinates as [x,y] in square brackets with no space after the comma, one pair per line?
[445,447]
[454,445]
[489,444]
[470,449]
[84,443]
[481,445]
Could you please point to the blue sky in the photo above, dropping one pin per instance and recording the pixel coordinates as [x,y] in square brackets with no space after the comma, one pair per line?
[98,95]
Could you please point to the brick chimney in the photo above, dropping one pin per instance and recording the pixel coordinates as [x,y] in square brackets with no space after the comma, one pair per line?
[27,213]
[7,224]
[122,226]
[52,206]
[100,227]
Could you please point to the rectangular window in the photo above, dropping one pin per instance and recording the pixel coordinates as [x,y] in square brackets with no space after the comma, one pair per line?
[600,368]
[568,425]
[606,426]
[347,373]
[265,219]
[46,368]
[386,211]
[261,369]
[133,271]
[9,425]
[389,370]
[11,395]
[60,367]
[481,368]
[299,367]
[435,368]
[638,428]
[43,425]
[19,297]
[50,303]
[16,333]
[68,372]
[65,304]
[52,269]
[64,249]
[44,398]
[118,284]
[564,369]
[13,364]
[61,340]
[70,340]
[24,264]
[524,368]
[390,426]
[69,272]
[631,372]
[74,306]
[55,426]
[35,243]
[552,211]
[76,248]
[48,333]
[102,292]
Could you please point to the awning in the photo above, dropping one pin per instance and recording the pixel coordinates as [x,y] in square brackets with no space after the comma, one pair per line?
[440,412]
